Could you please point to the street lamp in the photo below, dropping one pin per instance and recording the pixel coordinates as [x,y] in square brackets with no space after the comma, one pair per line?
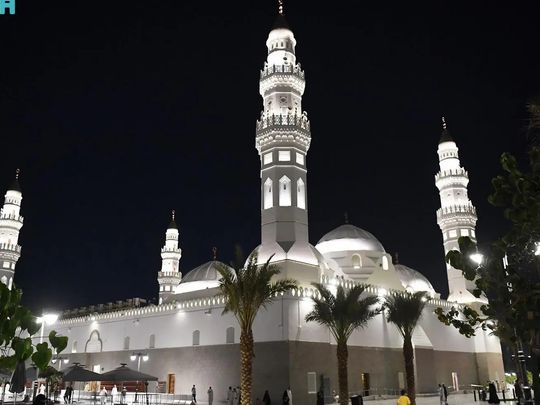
[138,356]
[60,360]
[477,257]
[49,319]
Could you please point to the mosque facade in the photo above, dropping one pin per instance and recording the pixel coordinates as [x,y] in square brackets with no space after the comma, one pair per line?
[188,340]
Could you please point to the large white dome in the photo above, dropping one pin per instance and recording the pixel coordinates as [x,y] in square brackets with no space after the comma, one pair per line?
[349,237]
[413,280]
[202,277]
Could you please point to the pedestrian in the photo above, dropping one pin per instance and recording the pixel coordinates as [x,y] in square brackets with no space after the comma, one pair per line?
[239,395]
[103,395]
[289,394]
[194,394]
[210,396]
[67,394]
[124,392]
[285,398]
[493,397]
[114,393]
[445,394]
[404,399]
[229,396]
[320,398]
[266,398]
[442,398]
[235,397]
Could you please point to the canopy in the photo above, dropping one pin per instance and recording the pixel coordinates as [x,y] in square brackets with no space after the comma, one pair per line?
[78,373]
[124,373]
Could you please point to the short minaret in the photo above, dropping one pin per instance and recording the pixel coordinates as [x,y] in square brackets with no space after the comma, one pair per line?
[11,223]
[457,215]
[169,276]
[282,140]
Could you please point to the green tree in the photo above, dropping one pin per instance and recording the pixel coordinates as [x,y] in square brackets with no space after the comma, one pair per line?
[18,327]
[404,311]
[246,290]
[342,314]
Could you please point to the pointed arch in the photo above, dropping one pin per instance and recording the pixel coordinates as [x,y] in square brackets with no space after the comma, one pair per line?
[385,263]
[300,194]
[356,262]
[94,344]
[285,192]
[268,194]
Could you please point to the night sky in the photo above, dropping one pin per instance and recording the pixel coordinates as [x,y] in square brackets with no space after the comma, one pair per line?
[119,111]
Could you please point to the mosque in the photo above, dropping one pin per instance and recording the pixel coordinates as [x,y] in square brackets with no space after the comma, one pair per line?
[185,340]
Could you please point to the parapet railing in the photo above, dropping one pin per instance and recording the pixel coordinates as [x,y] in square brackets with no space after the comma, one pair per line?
[452,172]
[469,208]
[282,69]
[11,247]
[12,217]
[284,120]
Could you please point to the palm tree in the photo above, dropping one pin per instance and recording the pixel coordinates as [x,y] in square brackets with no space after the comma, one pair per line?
[342,313]
[404,310]
[246,290]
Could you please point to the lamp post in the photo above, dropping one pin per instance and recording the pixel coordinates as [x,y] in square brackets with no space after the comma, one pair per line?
[138,356]
[60,360]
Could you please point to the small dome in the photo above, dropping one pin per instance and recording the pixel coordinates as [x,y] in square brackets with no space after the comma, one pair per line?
[172,225]
[412,280]
[349,237]
[205,272]
[15,186]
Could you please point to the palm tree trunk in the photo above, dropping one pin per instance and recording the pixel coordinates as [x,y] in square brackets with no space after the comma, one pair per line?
[408,356]
[246,365]
[342,359]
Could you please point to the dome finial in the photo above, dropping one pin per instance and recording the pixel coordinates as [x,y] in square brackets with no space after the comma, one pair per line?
[396,258]
[443,122]
[17,172]
[280,7]
[172,214]
[214,252]
[346,217]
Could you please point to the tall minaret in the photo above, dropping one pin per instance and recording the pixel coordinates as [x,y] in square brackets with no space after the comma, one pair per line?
[11,223]
[282,140]
[457,215]
[169,276]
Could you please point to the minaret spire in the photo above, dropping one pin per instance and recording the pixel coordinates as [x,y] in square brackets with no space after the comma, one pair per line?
[280,7]
[11,223]
[457,215]
[170,276]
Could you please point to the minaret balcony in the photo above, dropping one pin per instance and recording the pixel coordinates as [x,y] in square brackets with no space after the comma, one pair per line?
[270,70]
[12,217]
[169,277]
[284,129]
[10,248]
[456,210]
[461,172]
[170,250]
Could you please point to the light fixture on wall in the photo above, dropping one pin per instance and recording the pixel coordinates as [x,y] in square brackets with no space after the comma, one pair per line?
[208,311]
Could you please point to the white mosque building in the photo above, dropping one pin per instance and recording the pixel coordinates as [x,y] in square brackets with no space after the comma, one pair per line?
[187,339]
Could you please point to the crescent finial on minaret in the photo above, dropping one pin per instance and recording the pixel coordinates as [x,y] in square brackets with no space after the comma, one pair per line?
[280,7]
[346,217]
[443,122]
[214,252]
[17,172]
[172,214]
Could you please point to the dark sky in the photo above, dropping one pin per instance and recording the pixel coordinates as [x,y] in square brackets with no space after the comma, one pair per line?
[118,112]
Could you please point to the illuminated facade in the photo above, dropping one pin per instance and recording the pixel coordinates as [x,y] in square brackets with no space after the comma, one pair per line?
[11,223]
[187,337]
[457,215]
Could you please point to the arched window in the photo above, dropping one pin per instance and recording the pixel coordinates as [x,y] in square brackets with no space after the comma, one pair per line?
[196,337]
[268,194]
[229,335]
[74,347]
[126,343]
[152,343]
[356,262]
[385,263]
[285,192]
[94,343]
[300,194]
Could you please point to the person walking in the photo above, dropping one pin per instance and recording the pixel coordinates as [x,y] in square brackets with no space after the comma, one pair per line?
[442,398]
[289,394]
[266,398]
[404,399]
[124,393]
[320,398]
[235,397]
[210,396]
[67,394]
[114,393]
[103,395]
[229,396]
[194,394]
[445,394]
